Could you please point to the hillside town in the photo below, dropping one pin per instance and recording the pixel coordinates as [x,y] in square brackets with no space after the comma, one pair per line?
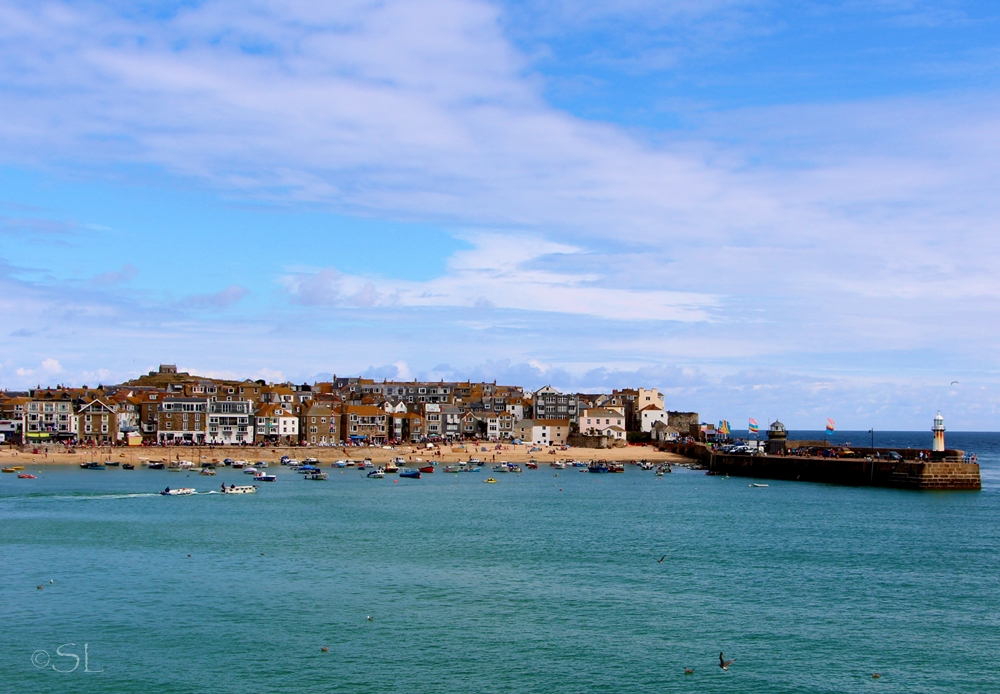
[168,407]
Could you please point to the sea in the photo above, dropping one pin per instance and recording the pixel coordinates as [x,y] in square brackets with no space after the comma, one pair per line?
[547,581]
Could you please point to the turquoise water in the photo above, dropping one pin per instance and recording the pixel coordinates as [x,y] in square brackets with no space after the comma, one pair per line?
[535,584]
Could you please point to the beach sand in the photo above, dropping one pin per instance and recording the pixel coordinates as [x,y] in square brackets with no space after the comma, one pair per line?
[57,455]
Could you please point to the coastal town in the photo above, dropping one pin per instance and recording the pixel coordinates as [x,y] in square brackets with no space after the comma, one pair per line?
[168,407]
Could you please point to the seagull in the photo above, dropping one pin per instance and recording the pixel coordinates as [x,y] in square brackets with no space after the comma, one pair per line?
[51,581]
[689,671]
[40,587]
[370,618]
[724,664]
[660,560]
[954,382]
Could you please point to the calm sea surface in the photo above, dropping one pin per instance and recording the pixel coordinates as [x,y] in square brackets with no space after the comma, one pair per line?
[539,583]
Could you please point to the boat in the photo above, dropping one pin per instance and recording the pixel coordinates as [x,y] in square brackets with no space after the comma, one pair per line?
[414,474]
[155,465]
[490,480]
[515,468]
[26,476]
[474,461]
[128,466]
[598,466]
[377,474]
[616,467]
[18,468]
[311,461]
[531,466]
[10,469]
[578,463]
[112,463]
[399,461]
[184,491]
[227,462]
[317,476]
[427,469]
[264,477]
[306,469]
[556,465]
[455,468]
[239,489]
[207,471]
[185,464]
[363,465]
[261,464]
[502,467]
[340,464]
[759,485]
[95,466]
[237,463]
[250,471]
[391,468]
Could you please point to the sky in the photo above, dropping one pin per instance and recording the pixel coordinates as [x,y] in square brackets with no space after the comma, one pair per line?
[765,209]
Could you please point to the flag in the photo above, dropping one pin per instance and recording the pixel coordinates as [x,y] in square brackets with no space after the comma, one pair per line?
[753,426]
[829,425]
[724,427]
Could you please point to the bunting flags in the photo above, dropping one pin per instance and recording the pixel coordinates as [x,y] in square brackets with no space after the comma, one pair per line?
[753,426]
[829,425]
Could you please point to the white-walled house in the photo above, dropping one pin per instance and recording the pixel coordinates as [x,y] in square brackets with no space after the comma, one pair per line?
[602,421]
[649,416]
[543,432]
[229,422]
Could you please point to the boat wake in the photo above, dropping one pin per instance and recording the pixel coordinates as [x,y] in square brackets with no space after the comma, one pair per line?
[79,497]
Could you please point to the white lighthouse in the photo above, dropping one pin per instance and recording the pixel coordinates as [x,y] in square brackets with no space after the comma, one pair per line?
[938,430]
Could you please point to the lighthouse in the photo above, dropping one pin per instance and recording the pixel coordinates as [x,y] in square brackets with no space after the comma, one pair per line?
[938,430]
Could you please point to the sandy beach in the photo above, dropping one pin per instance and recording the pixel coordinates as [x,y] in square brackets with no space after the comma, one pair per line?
[58,455]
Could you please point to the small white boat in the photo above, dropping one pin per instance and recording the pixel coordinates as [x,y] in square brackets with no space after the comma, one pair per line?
[239,489]
[317,476]
[250,471]
[207,471]
[260,464]
[185,491]
[759,485]
[239,463]
[185,464]
[559,465]
[377,474]
[502,467]
[455,468]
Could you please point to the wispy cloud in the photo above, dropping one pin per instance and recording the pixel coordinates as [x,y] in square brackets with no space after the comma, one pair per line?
[218,300]
[114,277]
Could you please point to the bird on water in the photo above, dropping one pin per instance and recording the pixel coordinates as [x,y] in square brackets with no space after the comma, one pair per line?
[660,560]
[724,664]
[689,671]
[876,675]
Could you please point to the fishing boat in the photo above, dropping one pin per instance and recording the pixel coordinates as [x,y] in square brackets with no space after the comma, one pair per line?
[317,476]
[184,491]
[264,477]
[427,469]
[94,466]
[239,489]
[598,466]
[490,480]
[391,468]
[413,474]
[207,471]
[26,476]
[128,466]
[377,474]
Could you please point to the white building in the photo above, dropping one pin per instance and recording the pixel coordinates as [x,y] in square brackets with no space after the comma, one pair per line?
[649,416]
[602,421]
[229,422]
[543,432]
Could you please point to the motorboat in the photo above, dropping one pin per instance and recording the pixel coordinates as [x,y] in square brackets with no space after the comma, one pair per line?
[264,477]
[755,484]
[112,463]
[228,461]
[155,465]
[340,464]
[237,464]
[455,468]
[17,468]
[377,474]
[490,480]
[94,466]
[306,469]
[239,489]
[399,461]
[250,471]
[514,468]
[414,474]
[284,460]
[261,464]
[317,476]
[427,469]
[502,467]
[558,465]
[128,466]
[184,491]
[311,461]
[474,461]
[26,476]
[531,466]
[363,465]
[185,464]
[578,463]
[598,466]
[616,467]
[207,471]
[391,468]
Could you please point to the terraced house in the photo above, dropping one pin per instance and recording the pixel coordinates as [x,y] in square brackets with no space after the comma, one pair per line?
[364,424]
[182,420]
[229,422]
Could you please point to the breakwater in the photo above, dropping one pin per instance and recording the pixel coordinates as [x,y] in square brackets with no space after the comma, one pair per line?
[944,472]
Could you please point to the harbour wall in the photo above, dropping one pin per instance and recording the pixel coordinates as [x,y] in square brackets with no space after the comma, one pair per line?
[903,474]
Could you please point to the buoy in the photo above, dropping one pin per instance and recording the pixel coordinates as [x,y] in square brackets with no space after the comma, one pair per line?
[370,618]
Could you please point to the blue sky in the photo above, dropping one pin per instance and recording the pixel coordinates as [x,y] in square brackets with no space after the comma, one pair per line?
[763,208]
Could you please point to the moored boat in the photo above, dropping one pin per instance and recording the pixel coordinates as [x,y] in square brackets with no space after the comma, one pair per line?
[155,465]
[490,480]
[237,463]
[459,467]
[250,471]
[428,469]
[94,466]
[207,471]
[317,476]
[112,463]
[502,467]
[413,474]
[598,466]
[377,474]
[26,476]
[10,469]
[128,466]
[391,468]
[264,477]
